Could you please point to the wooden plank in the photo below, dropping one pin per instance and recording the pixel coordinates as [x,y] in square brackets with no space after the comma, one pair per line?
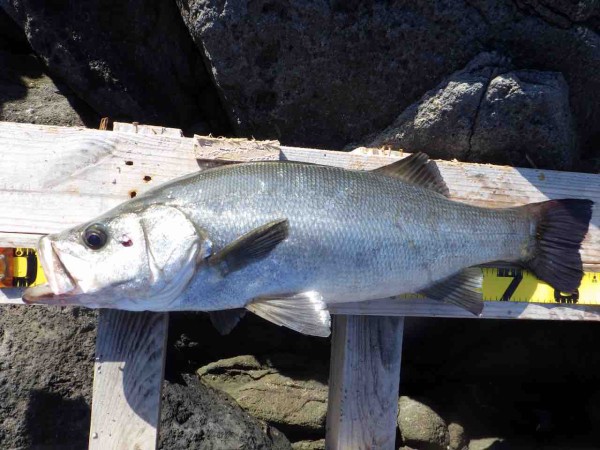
[28,149]
[128,373]
[492,310]
[363,382]
[149,130]
[131,349]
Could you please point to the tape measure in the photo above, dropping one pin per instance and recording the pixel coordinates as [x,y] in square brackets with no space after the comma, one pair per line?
[20,267]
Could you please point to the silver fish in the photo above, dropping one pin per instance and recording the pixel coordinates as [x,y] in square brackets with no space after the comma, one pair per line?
[285,239]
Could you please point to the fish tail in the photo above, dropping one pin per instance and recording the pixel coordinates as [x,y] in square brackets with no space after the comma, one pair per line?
[560,227]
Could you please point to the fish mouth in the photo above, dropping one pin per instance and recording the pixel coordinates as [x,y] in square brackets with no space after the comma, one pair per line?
[61,287]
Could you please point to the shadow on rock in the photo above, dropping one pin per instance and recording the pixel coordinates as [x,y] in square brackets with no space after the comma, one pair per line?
[55,422]
[27,93]
[195,417]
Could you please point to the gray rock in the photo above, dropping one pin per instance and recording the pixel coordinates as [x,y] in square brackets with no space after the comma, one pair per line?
[457,438]
[420,426]
[326,74]
[490,113]
[29,95]
[279,390]
[12,37]
[524,118]
[46,370]
[485,443]
[309,445]
[196,417]
[132,61]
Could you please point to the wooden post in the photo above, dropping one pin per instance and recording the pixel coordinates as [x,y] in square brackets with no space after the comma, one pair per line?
[364,382]
[129,367]
[128,374]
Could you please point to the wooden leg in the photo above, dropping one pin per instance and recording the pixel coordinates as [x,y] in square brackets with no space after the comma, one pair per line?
[363,382]
[128,375]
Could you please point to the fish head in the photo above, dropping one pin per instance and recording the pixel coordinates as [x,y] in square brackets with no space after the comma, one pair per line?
[135,259]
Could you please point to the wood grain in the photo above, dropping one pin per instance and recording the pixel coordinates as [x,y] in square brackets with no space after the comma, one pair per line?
[41,160]
[128,373]
[492,310]
[363,382]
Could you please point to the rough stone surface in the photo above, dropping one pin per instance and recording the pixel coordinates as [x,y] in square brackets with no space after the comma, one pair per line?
[265,390]
[420,426]
[325,74]
[457,438]
[490,113]
[486,444]
[12,37]
[46,370]
[29,95]
[132,61]
[309,445]
[196,417]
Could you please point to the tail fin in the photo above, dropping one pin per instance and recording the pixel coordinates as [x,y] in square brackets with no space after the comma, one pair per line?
[561,226]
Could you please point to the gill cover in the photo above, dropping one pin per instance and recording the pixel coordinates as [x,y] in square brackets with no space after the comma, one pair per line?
[174,246]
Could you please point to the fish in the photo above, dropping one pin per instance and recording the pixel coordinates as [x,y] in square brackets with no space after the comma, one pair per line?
[285,239]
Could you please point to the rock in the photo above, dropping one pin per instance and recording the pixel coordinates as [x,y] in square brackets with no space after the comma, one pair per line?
[12,37]
[486,444]
[524,119]
[131,61]
[420,426]
[197,417]
[46,370]
[329,73]
[29,95]
[490,113]
[279,389]
[309,445]
[457,437]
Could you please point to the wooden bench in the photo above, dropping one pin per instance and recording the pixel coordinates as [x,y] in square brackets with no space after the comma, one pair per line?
[55,177]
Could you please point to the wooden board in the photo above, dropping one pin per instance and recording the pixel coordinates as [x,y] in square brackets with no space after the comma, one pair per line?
[128,373]
[45,158]
[363,382]
[28,185]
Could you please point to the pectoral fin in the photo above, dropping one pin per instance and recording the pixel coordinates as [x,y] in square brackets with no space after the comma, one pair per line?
[463,289]
[419,170]
[251,247]
[306,312]
[225,321]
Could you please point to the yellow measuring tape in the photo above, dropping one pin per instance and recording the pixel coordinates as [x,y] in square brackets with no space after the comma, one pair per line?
[20,267]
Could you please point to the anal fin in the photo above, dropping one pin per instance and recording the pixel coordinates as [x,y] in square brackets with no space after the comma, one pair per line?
[225,321]
[305,312]
[463,289]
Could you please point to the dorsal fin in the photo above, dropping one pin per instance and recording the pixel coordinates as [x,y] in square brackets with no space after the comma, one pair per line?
[417,169]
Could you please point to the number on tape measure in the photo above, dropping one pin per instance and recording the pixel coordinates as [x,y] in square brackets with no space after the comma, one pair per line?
[517,277]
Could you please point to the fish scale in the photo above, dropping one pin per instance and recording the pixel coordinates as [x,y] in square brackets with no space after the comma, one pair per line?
[353,235]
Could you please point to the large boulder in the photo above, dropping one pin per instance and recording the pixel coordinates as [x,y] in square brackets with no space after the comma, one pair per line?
[420,426]
[279,389]
[196,417]
[132,61]
[46,371]
[489,112]
[325,74]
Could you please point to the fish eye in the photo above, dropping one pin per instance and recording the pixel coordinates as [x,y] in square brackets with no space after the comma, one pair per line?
[95,236]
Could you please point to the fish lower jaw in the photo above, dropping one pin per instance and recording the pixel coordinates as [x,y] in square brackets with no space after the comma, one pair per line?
[44,294]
